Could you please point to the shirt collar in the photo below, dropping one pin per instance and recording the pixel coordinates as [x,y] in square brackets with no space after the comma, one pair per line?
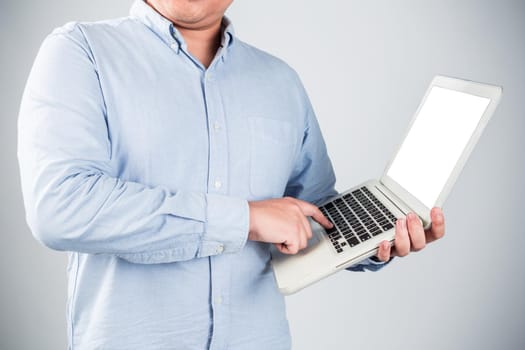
[165,29]
[228,37]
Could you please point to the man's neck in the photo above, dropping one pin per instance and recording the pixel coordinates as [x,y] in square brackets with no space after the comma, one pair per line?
[202,43]
[202,36]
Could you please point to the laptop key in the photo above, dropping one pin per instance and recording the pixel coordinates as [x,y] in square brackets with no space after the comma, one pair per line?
[376,231]
[364,237]
[353,241]
[356,214]
[388,227]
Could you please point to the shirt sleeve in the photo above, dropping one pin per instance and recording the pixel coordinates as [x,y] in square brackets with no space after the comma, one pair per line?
[74,199]
[313,178]
[369,265]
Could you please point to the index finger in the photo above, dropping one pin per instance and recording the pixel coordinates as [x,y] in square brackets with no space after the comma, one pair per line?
[311,210]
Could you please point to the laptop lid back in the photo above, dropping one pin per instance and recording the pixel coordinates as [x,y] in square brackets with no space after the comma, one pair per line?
[440,137]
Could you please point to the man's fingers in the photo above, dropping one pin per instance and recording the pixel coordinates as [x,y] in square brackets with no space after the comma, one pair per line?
[311,210]
[437,230]
[416,232]
[318,216]
[402,241]
[410,234]
[307,227]
[383,252]
[287,248]
[306,233]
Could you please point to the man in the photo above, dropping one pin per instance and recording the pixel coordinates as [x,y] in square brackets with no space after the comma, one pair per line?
[165,154]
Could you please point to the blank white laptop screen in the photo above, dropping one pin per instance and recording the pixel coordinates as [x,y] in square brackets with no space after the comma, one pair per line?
[435,142]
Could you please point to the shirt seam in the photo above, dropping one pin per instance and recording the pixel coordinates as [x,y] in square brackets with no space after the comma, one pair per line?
[86,48]
[96,69]
[153,255]
[73,301]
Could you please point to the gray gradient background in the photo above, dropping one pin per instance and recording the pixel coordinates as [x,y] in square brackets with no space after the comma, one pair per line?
[365,65]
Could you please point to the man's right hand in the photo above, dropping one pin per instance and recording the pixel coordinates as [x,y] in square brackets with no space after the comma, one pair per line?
[284,223]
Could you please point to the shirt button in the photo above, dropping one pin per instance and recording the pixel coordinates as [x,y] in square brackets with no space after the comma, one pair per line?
[217,126]
[220,249]
[174,46]
[218,300]
[217,184]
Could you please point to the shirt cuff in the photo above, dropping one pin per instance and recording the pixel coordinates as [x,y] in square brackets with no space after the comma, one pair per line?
[227,225]
[369,264]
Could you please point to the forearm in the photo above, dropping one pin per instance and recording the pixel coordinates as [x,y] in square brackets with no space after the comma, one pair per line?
[75,198]
[91,212]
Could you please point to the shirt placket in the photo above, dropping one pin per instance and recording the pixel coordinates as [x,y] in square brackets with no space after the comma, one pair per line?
[218,184]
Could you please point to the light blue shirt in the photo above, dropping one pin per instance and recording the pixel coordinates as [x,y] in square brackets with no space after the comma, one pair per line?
[140,162]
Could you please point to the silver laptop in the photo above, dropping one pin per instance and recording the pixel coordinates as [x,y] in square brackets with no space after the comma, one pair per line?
[443,132]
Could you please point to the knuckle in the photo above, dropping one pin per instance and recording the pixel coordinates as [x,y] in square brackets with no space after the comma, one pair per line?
[312,208]
[296,208]
[438,220]
[289,201]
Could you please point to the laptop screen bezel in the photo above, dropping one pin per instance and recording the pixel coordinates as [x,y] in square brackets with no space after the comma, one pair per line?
[483,90]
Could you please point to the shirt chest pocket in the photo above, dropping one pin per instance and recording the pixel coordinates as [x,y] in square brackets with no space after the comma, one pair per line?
[272,154]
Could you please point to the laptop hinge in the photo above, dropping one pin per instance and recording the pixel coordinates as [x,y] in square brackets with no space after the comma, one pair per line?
[388,195]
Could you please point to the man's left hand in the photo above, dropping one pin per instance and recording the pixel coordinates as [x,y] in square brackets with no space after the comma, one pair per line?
[411,237]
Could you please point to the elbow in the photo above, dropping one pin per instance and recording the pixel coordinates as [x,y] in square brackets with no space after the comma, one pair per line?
[51,227]
[46,232]
[56,210]
[50,241]
[54,213]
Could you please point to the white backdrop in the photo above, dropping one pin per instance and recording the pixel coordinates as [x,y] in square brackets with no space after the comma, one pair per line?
[366,65]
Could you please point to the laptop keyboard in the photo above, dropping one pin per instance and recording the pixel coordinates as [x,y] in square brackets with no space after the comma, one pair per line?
[357,216]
